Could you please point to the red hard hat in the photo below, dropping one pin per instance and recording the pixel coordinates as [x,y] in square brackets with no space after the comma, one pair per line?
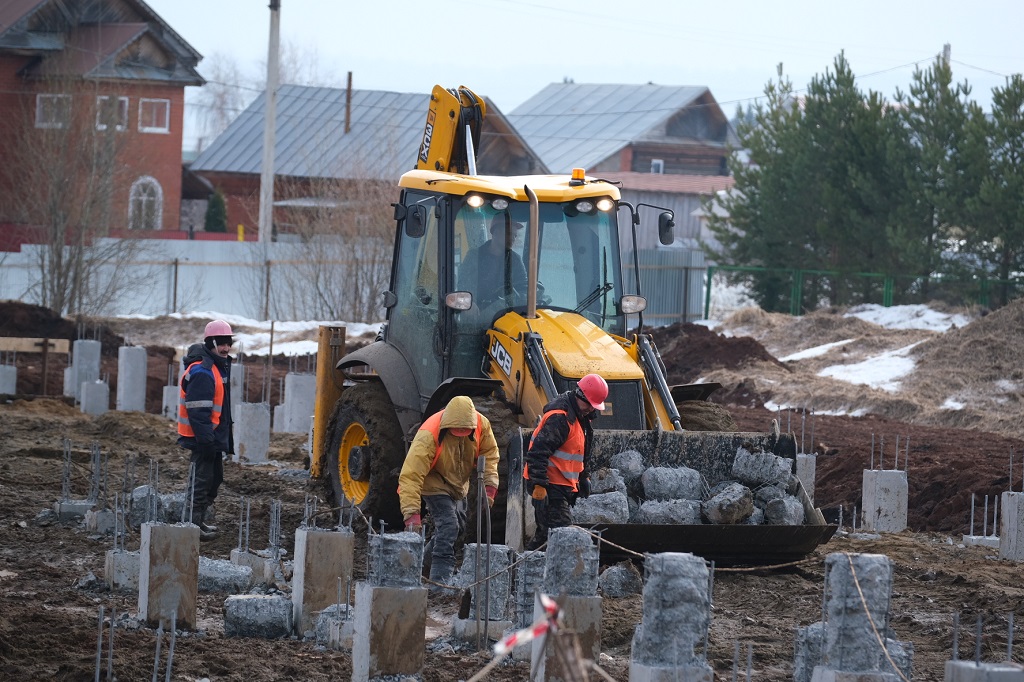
[217,328]
[594,390]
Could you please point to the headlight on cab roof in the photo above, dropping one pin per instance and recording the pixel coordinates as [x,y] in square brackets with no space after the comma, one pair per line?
[605,204]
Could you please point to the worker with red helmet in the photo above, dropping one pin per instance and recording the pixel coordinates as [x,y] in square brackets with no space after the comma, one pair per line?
[556,463]
[204,417]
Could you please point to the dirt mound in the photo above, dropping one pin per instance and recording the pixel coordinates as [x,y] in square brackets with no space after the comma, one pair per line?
[33,321]
[690,351]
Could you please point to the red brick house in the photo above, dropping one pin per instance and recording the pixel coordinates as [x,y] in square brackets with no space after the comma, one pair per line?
[92,99]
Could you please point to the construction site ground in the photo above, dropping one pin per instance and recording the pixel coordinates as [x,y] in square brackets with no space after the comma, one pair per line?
[51,583]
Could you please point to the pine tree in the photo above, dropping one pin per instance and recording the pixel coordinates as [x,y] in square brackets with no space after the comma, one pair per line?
[216,214]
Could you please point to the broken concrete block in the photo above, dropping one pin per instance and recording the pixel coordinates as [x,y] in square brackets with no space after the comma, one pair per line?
[611,507]
[121,570]
[756,517]
[620,580]
[630,464]
[755,469]
[268,616]
[220,575]
[809,650]
[683,512]
[665,483]
[146,506]
[766,494]
[607,480]
[99,521]
[732,505]
[784,511]
[171,505]
[330,616]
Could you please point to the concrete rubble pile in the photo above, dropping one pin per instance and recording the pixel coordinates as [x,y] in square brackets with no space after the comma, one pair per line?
[763,490]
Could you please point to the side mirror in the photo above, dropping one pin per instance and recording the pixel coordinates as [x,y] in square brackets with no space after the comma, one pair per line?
[416,221]
[665,225]
[631,304]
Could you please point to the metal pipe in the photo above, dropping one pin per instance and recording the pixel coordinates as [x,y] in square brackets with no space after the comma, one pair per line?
[110,651]
[170,649]
[972,514]
[872,451]
[956,636]
[99,647]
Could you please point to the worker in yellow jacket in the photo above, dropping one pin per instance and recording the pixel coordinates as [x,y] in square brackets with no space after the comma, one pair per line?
[437,471]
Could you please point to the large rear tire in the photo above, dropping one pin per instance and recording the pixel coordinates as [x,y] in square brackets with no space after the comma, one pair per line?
[365,453]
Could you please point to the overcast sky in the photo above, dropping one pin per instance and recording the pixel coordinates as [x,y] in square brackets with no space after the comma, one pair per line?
[509,49]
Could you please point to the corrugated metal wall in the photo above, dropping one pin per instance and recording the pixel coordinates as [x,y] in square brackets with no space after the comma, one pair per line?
[672,280]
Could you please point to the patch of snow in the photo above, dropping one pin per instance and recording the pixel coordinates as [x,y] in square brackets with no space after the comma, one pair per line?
[952,404]
[881,371]
[1007,385]
[841,412]
[814,352]
[907,317]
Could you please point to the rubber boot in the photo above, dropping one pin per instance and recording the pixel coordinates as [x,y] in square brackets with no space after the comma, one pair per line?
[441,572]
[209,519]
[205,532]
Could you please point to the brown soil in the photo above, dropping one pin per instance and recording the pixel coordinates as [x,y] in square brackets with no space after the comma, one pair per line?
[48,621]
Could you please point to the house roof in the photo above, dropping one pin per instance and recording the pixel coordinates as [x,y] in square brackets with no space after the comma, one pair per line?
[578,124]
[385,131]
[675,184]
[94,41]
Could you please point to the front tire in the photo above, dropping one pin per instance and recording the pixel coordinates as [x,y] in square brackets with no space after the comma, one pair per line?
[365,453]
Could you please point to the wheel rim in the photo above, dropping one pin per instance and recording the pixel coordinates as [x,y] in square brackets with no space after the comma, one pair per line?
[354,437]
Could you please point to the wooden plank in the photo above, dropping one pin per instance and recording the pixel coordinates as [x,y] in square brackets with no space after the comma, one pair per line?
[23,345]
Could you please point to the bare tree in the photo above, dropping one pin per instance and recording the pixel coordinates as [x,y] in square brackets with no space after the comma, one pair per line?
[64,173]
[226,93]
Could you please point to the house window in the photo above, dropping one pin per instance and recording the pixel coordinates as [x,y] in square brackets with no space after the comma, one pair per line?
[658,166]
[53,111]
[111,111]
[154,115]
[145,204]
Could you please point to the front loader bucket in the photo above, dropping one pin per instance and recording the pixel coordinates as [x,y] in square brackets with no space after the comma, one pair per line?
[712,454]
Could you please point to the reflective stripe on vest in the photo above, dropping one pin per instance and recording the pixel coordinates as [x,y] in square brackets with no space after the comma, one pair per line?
[184,427]
[566,463]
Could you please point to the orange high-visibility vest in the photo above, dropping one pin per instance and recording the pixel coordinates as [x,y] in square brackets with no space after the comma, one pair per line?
[184,428]
[432,425]
[566,463]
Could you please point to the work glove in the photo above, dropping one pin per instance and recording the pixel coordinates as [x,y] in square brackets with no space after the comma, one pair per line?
[492,492]
[583,487]
[540,493]
[413,523]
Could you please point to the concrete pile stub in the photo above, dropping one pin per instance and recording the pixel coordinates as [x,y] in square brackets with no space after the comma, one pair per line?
[322,556]
[131,379]
[1011,527]
[268,616]
[495,613]
[252,432]
[99,521]
[885,500]
[121,570]
[170,403]
[390,623]
[169,574]
[94,397]
[571,573]
[262,567]
[85,366]
[8,379]
[236,385]
[572,563]
[300,393]
[806,471]
[334,627]
[677,614]
[845,645]
[969,671]
[529,578]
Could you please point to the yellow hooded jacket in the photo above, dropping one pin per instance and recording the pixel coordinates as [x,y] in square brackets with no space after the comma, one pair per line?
[457,463]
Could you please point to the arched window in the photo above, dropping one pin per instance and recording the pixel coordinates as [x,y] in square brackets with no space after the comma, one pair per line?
[145,204]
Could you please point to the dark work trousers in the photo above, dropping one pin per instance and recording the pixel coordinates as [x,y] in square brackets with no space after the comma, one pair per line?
[209,476]
[552,512]
[446,531]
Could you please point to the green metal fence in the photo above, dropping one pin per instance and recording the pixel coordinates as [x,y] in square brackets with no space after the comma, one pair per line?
[798,291]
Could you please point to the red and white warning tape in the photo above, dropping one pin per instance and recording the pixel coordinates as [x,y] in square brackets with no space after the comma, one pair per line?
[539,628]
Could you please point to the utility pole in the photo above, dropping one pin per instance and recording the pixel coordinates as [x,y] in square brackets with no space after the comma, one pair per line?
[269,126]
[945,54]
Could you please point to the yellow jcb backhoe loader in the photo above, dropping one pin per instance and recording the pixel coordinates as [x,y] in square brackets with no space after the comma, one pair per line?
[514,345]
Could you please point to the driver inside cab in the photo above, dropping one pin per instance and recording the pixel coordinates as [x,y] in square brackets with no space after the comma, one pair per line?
[494,270]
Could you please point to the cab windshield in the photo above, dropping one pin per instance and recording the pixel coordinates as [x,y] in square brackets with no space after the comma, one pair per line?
[578,268]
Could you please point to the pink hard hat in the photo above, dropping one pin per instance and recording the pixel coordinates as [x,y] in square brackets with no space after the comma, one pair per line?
[594,390]
[217,328]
